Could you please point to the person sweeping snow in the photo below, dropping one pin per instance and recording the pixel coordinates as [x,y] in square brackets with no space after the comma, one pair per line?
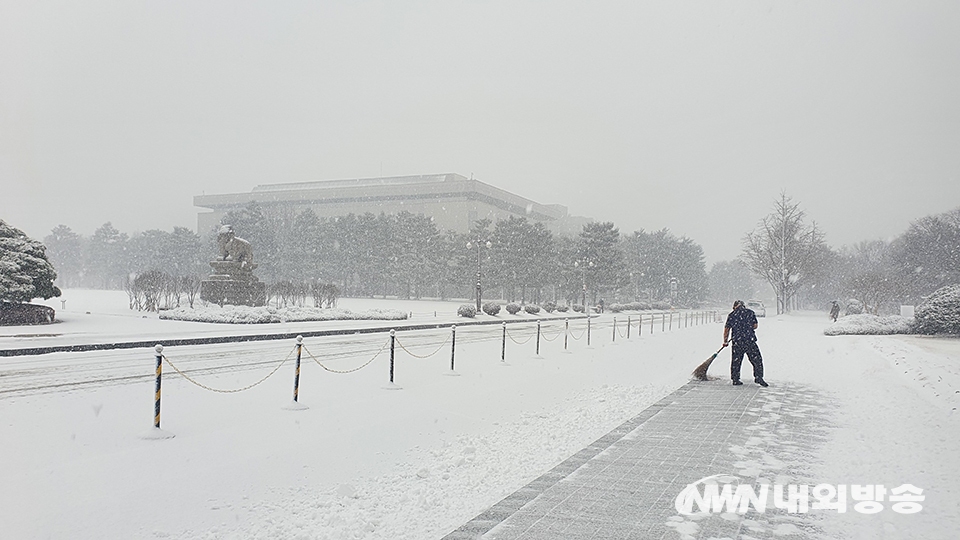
[742,323]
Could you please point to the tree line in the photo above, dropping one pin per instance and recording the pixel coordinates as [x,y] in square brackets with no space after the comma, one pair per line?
[406,255]
[403,255]
[793,258]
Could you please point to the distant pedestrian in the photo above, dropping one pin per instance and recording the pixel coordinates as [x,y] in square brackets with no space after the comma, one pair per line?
[835,311]
[741,323]
[600,305]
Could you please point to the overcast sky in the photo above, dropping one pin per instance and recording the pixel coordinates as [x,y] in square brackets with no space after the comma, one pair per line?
[686,115]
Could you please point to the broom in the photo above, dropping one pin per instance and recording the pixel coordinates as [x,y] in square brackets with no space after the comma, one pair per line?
[701,372]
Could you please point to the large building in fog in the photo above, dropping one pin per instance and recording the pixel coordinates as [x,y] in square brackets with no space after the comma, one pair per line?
[453,201]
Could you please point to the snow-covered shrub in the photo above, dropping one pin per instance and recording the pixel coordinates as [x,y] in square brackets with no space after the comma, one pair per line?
[578,308]
[854,307]
[491,308]
[617,308]
[531,309]
[661,304]
[940,312]
[866,324]
[562,309]
[467,310]
[550,307]
[513,308]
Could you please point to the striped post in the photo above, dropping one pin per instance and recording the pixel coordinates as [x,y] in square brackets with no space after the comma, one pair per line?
[156,395]
[296,375]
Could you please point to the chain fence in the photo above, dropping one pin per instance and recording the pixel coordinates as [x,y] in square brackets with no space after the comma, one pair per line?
[688,319]
[230,391]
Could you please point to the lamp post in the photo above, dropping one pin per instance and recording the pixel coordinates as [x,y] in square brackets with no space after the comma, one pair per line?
[480,244]
[583,264]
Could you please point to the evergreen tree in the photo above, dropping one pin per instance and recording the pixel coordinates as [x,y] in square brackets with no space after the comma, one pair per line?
[65,251]
[927,255]
[601,259]
[729,281]
[107,257]
[25,272]
[666,268]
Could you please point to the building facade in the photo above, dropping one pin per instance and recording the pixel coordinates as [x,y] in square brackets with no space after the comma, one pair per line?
[454,202]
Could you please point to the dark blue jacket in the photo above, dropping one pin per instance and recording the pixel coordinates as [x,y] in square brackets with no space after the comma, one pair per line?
[741,322]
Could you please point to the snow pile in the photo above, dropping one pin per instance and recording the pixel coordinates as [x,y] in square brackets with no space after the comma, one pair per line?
[940,313]
[255,315]
[870,324]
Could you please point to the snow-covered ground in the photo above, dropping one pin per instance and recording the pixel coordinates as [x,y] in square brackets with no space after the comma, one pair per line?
[365,461]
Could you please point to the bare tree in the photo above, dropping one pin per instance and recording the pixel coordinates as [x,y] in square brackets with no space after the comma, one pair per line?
[191,287]
[785,251]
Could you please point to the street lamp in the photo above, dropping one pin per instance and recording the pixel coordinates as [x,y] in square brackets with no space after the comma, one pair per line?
[583,264]
[480,244]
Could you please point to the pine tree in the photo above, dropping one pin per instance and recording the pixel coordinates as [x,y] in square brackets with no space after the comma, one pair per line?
[25,272]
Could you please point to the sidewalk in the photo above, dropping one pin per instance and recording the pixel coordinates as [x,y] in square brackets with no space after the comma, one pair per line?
[624,484]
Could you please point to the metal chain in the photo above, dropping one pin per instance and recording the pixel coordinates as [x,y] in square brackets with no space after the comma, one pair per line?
[518,342]
[574,336]
[367,363]
[205,387]
[427,356]
[545,338]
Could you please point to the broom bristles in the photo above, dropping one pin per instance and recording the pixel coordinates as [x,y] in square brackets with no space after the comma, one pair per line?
[701,372]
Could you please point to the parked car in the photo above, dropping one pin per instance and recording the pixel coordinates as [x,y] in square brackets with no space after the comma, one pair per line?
[757,307]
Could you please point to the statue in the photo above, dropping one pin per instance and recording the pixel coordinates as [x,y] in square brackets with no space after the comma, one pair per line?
[234,248]
[232,281]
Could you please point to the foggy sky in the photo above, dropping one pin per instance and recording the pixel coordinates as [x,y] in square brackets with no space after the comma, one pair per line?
[690,116]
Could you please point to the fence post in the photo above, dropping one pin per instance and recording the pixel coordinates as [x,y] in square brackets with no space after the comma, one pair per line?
[566,332]
[393,341]
[156,396]
[629,324]
[155,433]
[503,345]
[453,344]
[588,329]
[538,338]
[652,317]
[663,322]
[671,321]
[296,377]
[614,329]
[640,326]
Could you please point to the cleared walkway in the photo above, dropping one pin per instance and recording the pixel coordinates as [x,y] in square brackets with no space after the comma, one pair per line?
[624,485]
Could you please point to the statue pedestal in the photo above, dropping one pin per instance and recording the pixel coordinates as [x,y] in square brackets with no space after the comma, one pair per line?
[233,283]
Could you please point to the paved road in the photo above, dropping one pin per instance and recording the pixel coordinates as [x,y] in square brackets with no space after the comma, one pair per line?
[624,485]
